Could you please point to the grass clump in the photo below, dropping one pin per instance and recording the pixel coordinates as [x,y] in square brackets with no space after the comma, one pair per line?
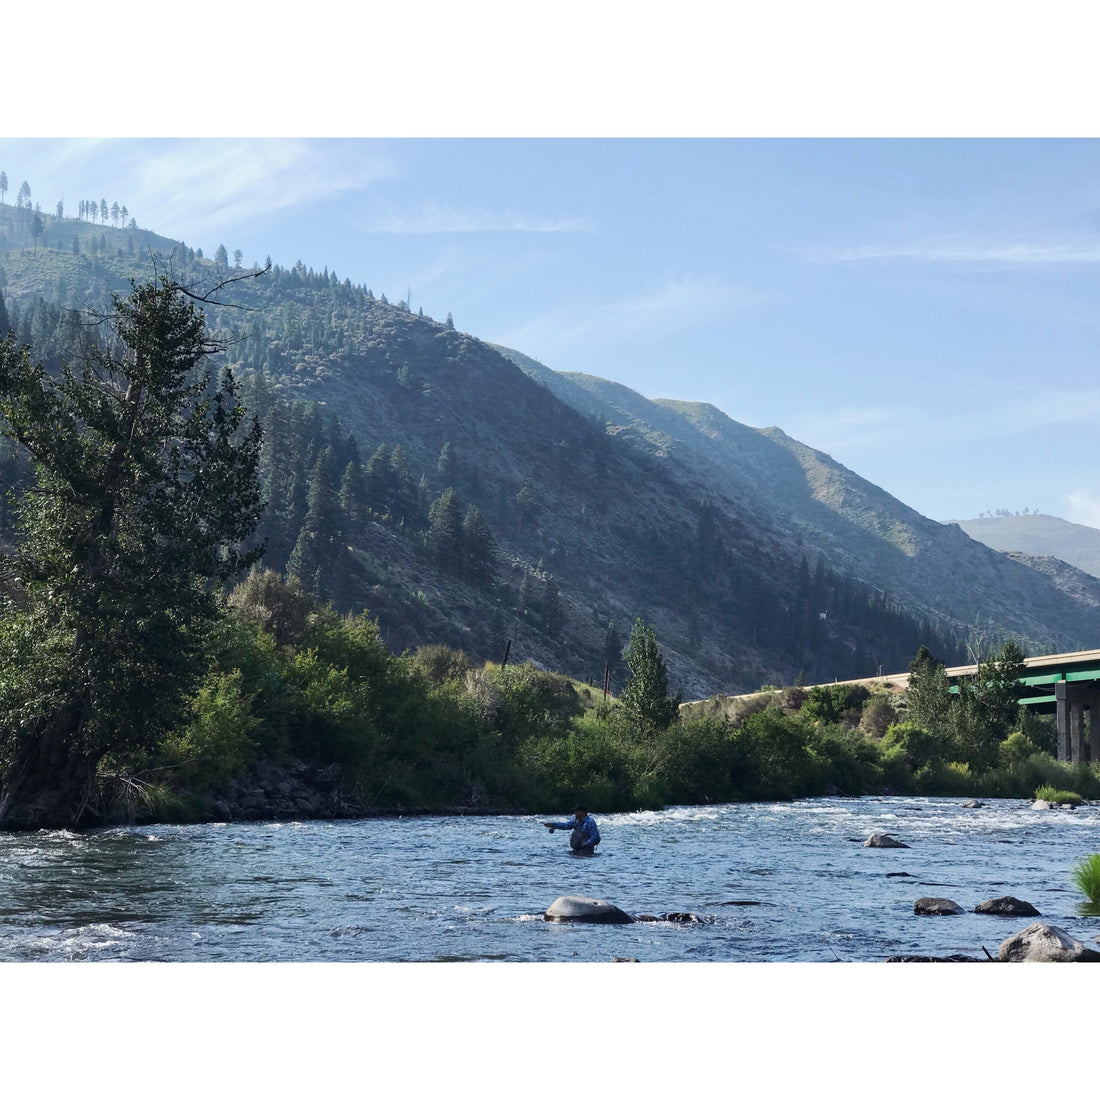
[1086,876]
[1061,798]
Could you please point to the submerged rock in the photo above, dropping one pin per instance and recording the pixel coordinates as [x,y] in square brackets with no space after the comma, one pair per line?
[973,804]
[883,840]
[1007,907]
[937,907]
[933,959]
[586,910]
[1040,942]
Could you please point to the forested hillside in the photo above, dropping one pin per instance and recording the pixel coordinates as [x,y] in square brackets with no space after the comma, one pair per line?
[415,472]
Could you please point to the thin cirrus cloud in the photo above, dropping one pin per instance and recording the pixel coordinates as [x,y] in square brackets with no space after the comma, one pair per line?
[211,186]
[677,303]
[1083,506]
[1085,251]
[438,218]
[914,429]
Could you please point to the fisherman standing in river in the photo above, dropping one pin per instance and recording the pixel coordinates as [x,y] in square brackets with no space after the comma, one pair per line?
[584,836]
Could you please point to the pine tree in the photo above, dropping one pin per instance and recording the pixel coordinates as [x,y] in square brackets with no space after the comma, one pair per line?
[316,558]
[145,488]
[353,499]
[444,538]
[478,548]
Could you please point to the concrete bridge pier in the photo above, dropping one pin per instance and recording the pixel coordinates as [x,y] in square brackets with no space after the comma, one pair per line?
[1094,725]
[1071,701]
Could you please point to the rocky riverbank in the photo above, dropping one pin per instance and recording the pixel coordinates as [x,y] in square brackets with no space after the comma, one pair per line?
[274,791]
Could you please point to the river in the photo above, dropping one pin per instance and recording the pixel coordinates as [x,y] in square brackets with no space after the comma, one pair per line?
[787,882]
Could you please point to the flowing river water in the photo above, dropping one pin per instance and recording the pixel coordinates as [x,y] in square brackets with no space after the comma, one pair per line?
[785,882]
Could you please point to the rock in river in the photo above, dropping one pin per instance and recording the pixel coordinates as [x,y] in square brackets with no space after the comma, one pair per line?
[1007,907]
[883,840]
[1041,942]
[587,910]
[937,907]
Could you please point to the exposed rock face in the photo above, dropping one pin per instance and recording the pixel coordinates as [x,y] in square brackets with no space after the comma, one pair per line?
[973,804]
[1041,804]
[1007,907]
[937,907]
[587,910]
[883,840]
[1041,942]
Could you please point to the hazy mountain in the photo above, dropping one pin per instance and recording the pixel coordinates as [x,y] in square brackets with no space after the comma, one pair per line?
[1040,535]
[756,559]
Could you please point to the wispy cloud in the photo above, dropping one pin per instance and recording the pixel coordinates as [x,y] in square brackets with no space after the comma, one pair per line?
[439,218]
[955,251]
[199,187]
[1083,506]
[677,303]
[911,429]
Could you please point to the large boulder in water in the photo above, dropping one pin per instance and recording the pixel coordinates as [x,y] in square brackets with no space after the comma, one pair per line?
[937,907]
[587,910]
[1007,907]
[1041,942]
[883,840]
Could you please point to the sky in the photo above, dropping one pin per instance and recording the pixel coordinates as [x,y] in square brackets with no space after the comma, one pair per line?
[878,233]
[923,310]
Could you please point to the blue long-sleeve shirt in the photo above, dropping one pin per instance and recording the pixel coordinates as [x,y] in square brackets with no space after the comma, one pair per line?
[587,831]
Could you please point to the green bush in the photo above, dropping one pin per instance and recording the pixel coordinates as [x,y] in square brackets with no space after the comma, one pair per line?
[1015,749]
[1086,876]
[847,760]
[834,703]
[217,742]
[921,748]
[698,758]
[1061,798]
[771,759]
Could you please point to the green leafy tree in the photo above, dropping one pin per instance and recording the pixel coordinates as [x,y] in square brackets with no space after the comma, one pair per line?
[145,487]
[646,696]
[987,709]
[928,693]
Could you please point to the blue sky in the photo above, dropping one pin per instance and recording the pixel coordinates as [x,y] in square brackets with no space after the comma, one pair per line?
[838,219]
[923,310]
